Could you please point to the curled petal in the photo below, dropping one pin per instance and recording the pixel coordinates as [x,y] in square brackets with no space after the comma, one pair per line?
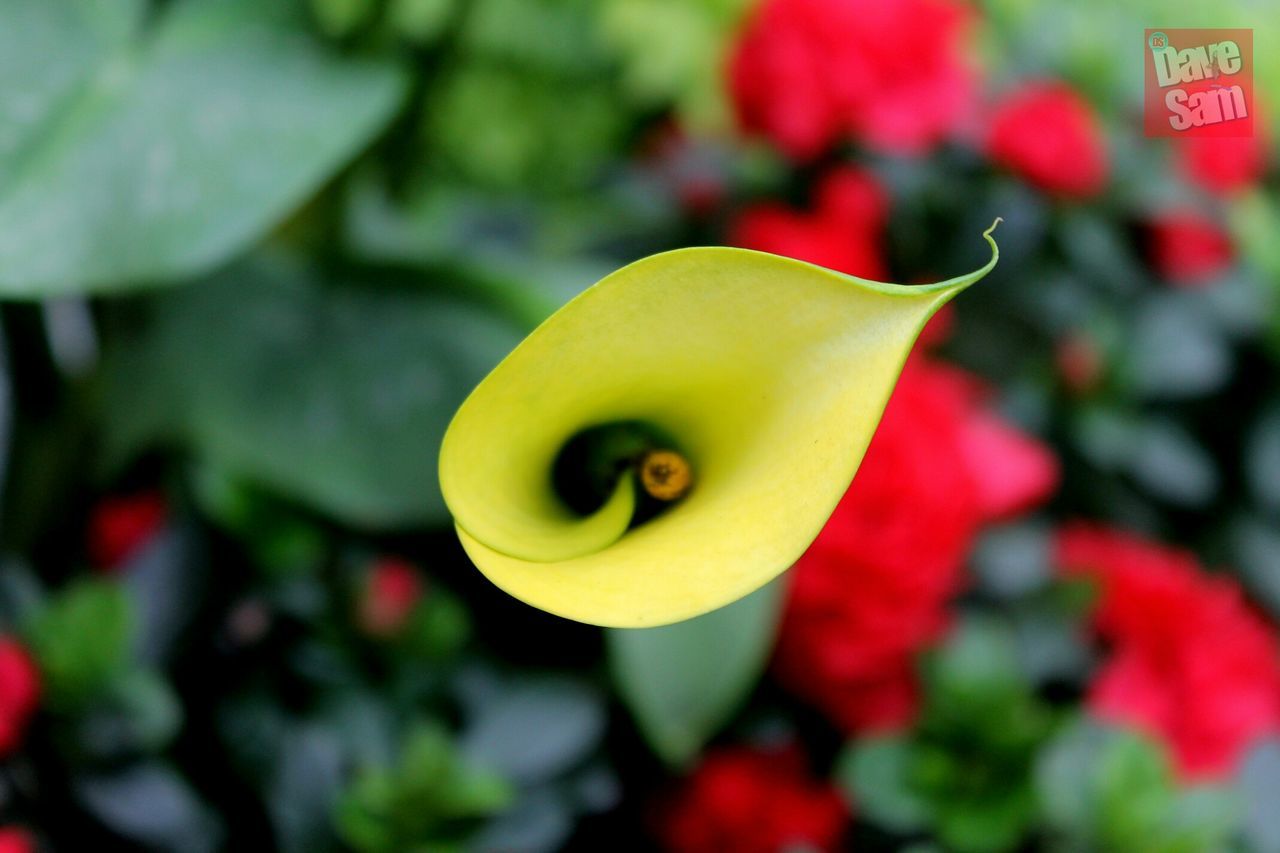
[769,373]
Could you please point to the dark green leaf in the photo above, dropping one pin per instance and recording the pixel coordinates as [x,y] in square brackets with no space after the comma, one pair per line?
[139,713]
[1256,550]
[1177,349]
[1064,778]
[683,681]
[876,774]
[1013,561]
[540,822]
[1262,460]
[307,402]
[567,716]
[1259,782]
[153,806]
[164,582]
[306,784]
[1171,464]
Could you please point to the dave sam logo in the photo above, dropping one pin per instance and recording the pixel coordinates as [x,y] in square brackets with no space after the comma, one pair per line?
[1199,82]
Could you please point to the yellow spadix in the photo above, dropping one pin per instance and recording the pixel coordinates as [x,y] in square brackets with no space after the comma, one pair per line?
[769,373]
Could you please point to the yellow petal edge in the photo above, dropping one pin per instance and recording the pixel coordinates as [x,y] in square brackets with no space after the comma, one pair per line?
[771,373]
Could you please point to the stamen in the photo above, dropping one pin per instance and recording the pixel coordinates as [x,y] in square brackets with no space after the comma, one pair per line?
[665,474]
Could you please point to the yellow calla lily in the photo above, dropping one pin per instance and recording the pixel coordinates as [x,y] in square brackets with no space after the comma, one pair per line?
[770,374]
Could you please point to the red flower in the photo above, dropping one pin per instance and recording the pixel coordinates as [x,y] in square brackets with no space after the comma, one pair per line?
[19,693]
[1191,663]
[1188,248]
[1224,165]
[1080,362]
[938,330]
[872,589]
[1046,133]
[742,800]
[120,526]
[843,233]
[393,589]
[16,840]
[808,73]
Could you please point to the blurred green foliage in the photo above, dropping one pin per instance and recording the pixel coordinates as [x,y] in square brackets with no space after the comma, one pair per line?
[965,770]
[254,254]
[428,802]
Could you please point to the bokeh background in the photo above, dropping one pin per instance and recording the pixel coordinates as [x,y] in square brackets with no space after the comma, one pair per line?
[253,254]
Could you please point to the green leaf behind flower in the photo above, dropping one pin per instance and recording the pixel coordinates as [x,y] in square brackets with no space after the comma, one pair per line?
[683,682]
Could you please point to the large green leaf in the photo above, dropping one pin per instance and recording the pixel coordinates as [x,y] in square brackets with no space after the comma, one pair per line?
[47,52]
[158,156]
[683,681]
[333,393]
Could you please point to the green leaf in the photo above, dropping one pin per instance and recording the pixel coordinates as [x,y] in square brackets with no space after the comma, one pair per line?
[568,717]
[47,52]
[334,393]
[306,783]
[431,801]
[1259,780]
[978,666]
[986,826]
[1177,349]
[1110,789]
[161,156]
[1262,455]
[683,681]
[82,641]
[138,713]
[876,775]
[153,805]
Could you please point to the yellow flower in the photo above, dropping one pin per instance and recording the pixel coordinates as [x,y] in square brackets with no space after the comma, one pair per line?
[768,374]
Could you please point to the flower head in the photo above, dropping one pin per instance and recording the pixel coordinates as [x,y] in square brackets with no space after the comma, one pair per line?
[1190,663]
[119,526]
[767,375]
[16,840]
[843,232]
[1224,165]
[807,74]
[392,590]
[1047,134]
[1188,248]
[19,693]
[753,801]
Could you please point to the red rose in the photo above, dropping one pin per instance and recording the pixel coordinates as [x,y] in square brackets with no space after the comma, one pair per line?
[392,591]
[1046,133]
[1224,165]
[19,693]
[120,526]
[872,590]
[16,840]
[753,801]
[1190,663]
[808,73]
[1189,249]
[844,231]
